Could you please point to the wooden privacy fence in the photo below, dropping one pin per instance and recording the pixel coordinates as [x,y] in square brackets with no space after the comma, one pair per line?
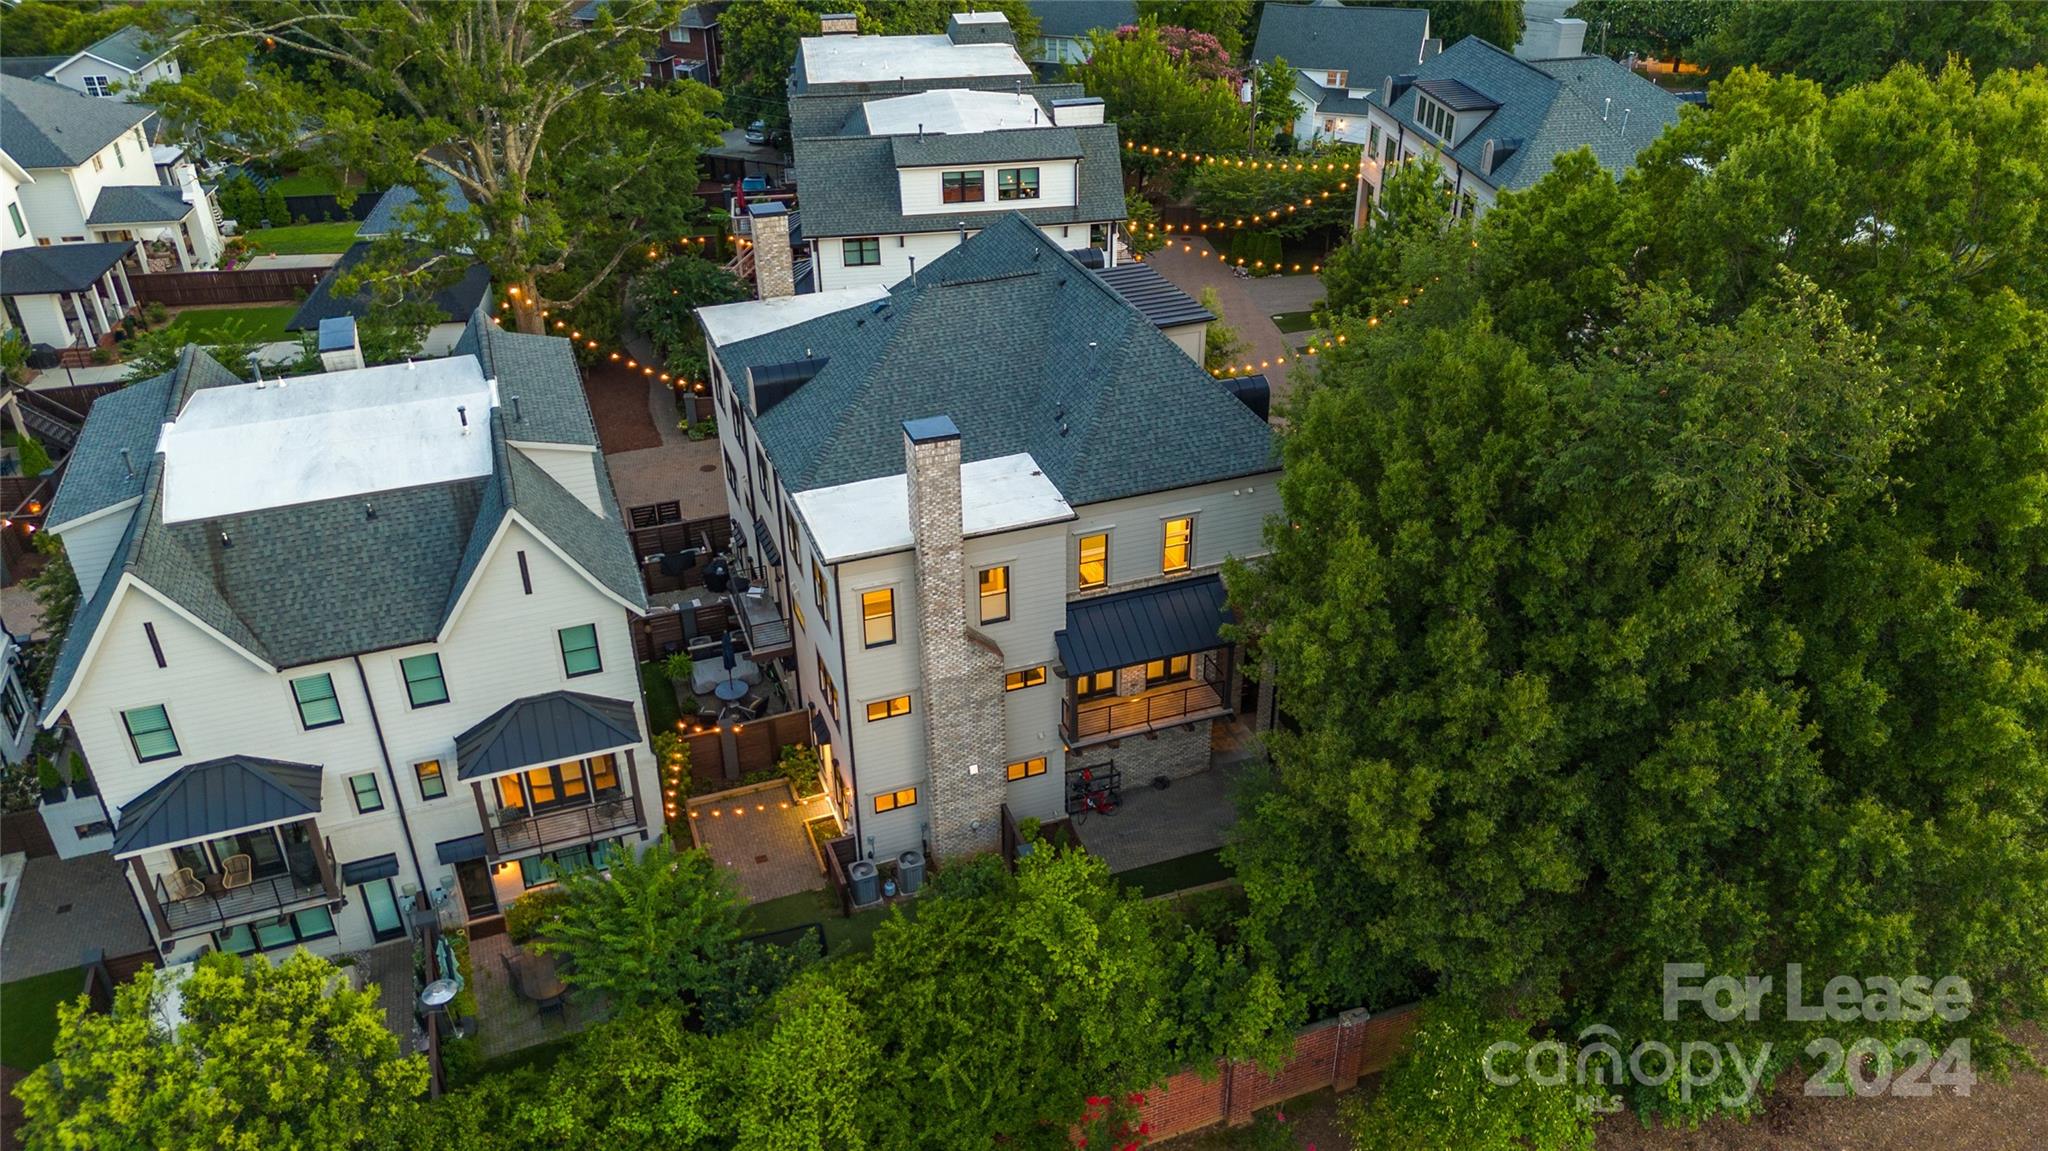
[753,746]
[1333,1053]
[664,631]
[247,286]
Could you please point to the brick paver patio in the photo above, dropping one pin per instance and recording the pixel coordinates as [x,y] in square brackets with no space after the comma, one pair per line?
[1151,826]
[758,835]
[508,1023]
[389,966]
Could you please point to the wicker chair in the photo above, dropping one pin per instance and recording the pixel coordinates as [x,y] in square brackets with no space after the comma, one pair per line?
[182,884]
[237,871]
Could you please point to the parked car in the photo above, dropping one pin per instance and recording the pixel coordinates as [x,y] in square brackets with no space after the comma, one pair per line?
[757,132]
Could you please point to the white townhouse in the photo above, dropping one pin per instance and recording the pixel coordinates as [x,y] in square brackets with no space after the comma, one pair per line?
[907,145]
[1338,54]
[1066,27]
[350,637]
[1493,122]
[119,66]
[993,502]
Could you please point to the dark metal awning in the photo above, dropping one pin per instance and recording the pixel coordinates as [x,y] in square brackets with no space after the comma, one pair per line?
[771,555]
[544,729]
[460,850]
[1136,627]
[369,870]
[217,797]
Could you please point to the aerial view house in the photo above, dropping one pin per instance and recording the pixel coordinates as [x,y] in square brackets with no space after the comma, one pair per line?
[1339,54]
[992,501]
[118,66]
[352,637]
[1493,122]
[907,145]
[1064,28]
[689,48]
[453,303]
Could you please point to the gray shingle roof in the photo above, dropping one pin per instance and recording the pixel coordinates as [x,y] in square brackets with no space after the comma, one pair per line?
[29,67]
[1157,298]
[138,204]
[384,215]
[1547,107]
[323,580]
[1369,43]
[987,147]
[455,301]
[1456,95]
[1077,18]
[57,268]
[50,126]
[130,48]
[217,796]
[540,729]
[851,188]
[1010,336]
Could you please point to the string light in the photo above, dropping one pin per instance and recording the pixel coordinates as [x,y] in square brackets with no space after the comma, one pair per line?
[1313,347]
[1234,161]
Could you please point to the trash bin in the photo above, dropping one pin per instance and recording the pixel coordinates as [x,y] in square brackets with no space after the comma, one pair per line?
[910,871]
[866,884]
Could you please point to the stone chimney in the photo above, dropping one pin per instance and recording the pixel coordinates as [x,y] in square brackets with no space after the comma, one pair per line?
[980,28]
[963,669]
[774,272]
[839,24]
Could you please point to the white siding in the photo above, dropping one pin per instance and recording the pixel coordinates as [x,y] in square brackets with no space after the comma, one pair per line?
[573,468]
[897,251]
[90,546]
[923,189]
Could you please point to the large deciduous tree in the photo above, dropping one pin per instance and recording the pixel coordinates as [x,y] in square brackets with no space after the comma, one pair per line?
[1844,42]
[569,169]
[1665,29]
[656,928]
[1160,96]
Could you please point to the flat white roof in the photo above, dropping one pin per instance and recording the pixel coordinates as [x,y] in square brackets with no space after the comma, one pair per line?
[872,517]
[954,111]
[852,59]
[731,323]
[246,447]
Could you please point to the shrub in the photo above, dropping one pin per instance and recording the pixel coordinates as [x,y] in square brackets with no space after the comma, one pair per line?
[156,312]
[1258,252]
[530,913]
[34,459]
[679,667]
[798,763]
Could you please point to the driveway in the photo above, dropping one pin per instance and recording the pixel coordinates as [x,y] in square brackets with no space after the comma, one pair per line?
[1248,304]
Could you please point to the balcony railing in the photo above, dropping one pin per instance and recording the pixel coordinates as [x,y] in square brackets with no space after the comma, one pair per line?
[1097,721]
[764,623]
[264,896]
[515,833]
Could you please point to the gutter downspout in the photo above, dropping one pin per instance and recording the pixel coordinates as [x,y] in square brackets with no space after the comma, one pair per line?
[852,769]
[397,798]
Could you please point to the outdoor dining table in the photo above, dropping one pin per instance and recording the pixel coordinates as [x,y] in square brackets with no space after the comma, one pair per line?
[709,675]
[538,979]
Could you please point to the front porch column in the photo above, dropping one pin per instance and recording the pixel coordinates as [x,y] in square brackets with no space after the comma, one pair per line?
[178,240]
[127,289]
[113,294]
[99,309]
[483,816]
[141,252]
[84,319]
[148,890]
[323,857]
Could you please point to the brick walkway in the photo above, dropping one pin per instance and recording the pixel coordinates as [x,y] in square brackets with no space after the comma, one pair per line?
[1152,826]
[508,1023]
[1248,304]
[759,836]
[389,966]
[67,906]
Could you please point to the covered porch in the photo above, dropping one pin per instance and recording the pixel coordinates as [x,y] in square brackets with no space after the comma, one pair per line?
[134,213]
[1143,661]
[67,295]
[217,845]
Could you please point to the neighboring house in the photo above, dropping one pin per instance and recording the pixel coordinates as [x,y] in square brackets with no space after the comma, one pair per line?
[1339,54]
[455,302]
[1495,123]
[349,637]
[691,48]
[1064,27]
[896,173]
[79,174]
[993,501]
[119,66]
[17,702]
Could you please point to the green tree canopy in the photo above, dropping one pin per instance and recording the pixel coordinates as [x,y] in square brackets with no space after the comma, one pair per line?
[1844,42]
[656,928]
[283,1055]
[1157,100]
[1497,21]
[666,298]
[1665,29]
[1226,20]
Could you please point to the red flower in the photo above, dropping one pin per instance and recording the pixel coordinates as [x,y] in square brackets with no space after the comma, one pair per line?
[1145,1128]
[1096,1100]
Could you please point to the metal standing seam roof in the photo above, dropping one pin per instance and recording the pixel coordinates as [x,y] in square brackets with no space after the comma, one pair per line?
[1456,95]
[544,729]
[138,204]
[369,870]
[215,797]
[461,849]
[51,126]
[57,268]
[1156,298]
[1135,627]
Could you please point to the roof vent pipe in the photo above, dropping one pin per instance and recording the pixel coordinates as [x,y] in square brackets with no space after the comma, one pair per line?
[1606,106]
[462,413]
[515,409]
[1624,121]
[128,462]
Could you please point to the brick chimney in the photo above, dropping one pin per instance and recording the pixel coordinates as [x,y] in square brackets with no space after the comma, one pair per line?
[838,24]
[774,273]
[963,669]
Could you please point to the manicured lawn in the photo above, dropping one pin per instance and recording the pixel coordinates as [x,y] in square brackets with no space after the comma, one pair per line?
[218,325]
[28,1016]
[1294,321]
[842,935]
[661,697]
[305,239]
[1177,874]
[304,184]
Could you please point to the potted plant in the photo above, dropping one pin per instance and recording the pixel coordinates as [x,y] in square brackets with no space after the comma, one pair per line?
[81,779]
[52,783]
[679,667]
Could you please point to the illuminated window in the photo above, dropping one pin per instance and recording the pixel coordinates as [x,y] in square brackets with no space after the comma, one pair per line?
[829,689]
[1016,183]
[433,785]
[995,594]
[1026,768]
[1094,568]
[961,188]
[604,772]
[1336,78]
[878,617]
[888,708]
[1180,545]
[1096,684]
[1168,670]
[511,796]
[1029,677]
[890,801]
[818,592]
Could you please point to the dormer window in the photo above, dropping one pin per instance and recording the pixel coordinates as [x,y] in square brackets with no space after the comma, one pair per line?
[961,188]
[1337,78]
[1435,118]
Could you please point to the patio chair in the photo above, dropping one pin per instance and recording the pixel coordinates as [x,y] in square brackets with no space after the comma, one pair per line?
[754,705]
[183,884]
[237,871]
[524,976]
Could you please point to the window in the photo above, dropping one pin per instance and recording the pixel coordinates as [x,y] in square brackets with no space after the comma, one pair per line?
[14,215]
[731,473]
[1094,567]
[818,592]
[790,546]
[995,594]
[862,253]
[1026,768]
[511,796]
[891,800]
[98,86]
[120,161]
[960,188]
[386,921]
[1179,550]
[878,617]
[98,165]
[150,734]
[579,650]
[1336,78]
[535,870]
[604,772]
[13,706]
[364,787]
[889,708]
[1435,118]
[1029,677]
[829,689]
[433,785]
[1016,183]
[1098,235]
[317,705]
[1372,140]
[283,931]
[1168,670]
[1093,684]
[424,684]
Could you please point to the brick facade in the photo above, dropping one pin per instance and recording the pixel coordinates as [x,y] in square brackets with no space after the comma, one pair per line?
[965,735]
[774,268]
[1173,753]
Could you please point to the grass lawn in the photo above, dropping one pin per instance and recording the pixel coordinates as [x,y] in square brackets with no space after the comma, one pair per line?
[304,239]
[1177,874]
[304,184]
[28,1016]
[661,697]
[263,322]
[1294,321]
[842,935]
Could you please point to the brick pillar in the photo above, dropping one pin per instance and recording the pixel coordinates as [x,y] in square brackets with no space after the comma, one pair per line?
[963,670]
[774,272]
